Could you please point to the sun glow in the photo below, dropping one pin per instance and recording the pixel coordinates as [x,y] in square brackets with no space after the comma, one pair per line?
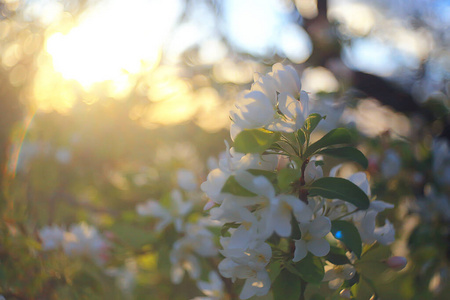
[114,40]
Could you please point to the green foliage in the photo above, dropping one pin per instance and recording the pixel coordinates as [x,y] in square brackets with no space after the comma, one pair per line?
[346,153]
[337,256]
[254,140]
[339,188]
[334,137]
[286,286]
[312,121]
[310,268]
[286,176]
[271,176]
[348,234]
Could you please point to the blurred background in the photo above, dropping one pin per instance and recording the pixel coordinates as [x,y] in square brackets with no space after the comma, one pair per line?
[102,101]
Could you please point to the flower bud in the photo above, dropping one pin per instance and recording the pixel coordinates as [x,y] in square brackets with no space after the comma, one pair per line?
[396,262]
[283,161]
[345,293]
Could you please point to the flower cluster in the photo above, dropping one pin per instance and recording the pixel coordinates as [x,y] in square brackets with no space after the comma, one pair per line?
[80,240]
[271,193]
[195,239]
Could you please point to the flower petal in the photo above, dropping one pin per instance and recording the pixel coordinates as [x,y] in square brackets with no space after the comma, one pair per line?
[300,250]
[319,247]
[320,227]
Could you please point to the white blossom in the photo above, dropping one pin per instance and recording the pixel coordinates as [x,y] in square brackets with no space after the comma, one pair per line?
[313,238]
[85,240]
[52,237]
[174,214]
[337,274]
[212,289]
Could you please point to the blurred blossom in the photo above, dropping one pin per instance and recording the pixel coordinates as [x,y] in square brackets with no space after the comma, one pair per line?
[441,161]
[52,237]
[307,8]
[372,119]
[337,274]
[391,164]
[125,276]
[63,155]
[186,180]
[396,262]
[214,289]
[175,214]
[84,240]
[319,79]
[81,240]
[355,18]
[433,205]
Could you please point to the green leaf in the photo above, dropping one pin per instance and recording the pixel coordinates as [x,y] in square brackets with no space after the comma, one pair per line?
[254,140]
[286,286]
[312,121]
[347,153]
[337,256]
[286,177]
[233,187]
[339,188]
[348,234]
[274,269]
[334,137]
[310,269]
[133,236]
[301,136]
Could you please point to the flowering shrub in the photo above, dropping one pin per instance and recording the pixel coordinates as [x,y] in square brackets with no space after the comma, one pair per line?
[290,210]
[283,219]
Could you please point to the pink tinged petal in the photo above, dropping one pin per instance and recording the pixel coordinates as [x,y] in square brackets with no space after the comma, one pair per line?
[396,262]
[300,250]
[319,247]
[209,205]
[320,227]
